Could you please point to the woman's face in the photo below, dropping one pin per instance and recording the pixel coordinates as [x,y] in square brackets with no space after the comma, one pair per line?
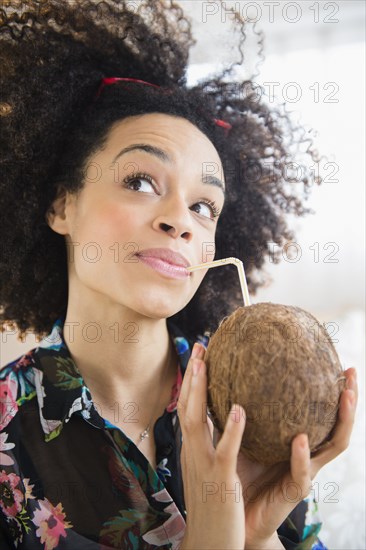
[150,197]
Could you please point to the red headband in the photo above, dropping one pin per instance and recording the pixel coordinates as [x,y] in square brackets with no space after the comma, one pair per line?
[112,80]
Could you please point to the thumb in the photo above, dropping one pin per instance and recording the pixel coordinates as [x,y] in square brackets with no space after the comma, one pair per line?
[230,441]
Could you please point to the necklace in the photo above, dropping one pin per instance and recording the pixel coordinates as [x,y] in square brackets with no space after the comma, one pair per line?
[144,434]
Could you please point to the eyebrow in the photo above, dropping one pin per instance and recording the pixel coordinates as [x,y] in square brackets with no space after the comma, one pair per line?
[165,157]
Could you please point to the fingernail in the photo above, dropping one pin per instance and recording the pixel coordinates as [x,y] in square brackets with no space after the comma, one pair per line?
[351,397]
[196,367]
[198,351]
[304,441]
[235,413]
[195,350]
[351,383]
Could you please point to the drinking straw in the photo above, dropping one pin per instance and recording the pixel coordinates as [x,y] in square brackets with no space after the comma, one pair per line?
[241,273]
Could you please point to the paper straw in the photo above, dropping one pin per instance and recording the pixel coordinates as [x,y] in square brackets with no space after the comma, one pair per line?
[241,273]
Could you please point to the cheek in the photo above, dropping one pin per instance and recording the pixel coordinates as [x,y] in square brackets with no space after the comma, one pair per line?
[108,223]
[104,234]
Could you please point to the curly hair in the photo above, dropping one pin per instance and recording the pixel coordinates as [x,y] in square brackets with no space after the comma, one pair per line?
[53,57]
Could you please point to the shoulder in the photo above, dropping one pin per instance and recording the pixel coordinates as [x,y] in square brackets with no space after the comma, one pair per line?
[18,378]
[17,386]
[20,367]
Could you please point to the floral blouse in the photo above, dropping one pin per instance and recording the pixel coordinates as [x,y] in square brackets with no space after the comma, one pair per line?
[71,480]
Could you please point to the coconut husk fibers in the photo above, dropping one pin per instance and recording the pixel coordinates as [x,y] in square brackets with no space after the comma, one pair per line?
[279,363]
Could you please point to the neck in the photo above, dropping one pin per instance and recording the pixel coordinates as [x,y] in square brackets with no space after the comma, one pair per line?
[123,362]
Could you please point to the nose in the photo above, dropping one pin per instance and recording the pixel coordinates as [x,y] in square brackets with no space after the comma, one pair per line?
[175,218]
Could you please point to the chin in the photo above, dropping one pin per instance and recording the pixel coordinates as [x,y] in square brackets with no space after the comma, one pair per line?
[158,306]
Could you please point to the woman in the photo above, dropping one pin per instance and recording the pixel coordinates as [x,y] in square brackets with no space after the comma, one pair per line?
[106,156]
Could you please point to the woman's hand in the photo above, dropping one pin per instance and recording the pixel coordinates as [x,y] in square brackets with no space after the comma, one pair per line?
[272,492]
[212,488]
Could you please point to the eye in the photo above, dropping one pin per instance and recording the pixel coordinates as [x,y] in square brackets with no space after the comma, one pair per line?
[136,179]
[212,207]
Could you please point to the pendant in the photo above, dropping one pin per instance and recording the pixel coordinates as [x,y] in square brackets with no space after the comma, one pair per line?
[144,434]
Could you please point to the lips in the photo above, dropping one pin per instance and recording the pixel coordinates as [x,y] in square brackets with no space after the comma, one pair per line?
[166,255]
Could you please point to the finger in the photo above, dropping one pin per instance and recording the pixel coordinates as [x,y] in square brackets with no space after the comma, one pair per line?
[342,432]
[296,484]
[228,447]
[289,485]
[351,382]
[184,391]
[202,352]
[300,468]
[194,420]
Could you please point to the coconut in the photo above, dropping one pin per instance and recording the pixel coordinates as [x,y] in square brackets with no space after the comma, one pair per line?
[279,363]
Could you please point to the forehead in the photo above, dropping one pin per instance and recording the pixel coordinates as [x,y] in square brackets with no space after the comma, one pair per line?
[181,139]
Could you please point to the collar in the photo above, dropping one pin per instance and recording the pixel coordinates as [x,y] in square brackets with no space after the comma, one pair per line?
[60,388]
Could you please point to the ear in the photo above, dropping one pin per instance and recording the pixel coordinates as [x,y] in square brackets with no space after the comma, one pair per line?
[57,215]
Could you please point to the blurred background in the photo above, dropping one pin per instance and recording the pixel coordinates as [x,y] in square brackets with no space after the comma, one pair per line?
[314,62]
[314,59]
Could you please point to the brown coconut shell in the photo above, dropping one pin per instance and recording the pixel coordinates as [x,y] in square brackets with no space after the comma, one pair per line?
[279,363]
